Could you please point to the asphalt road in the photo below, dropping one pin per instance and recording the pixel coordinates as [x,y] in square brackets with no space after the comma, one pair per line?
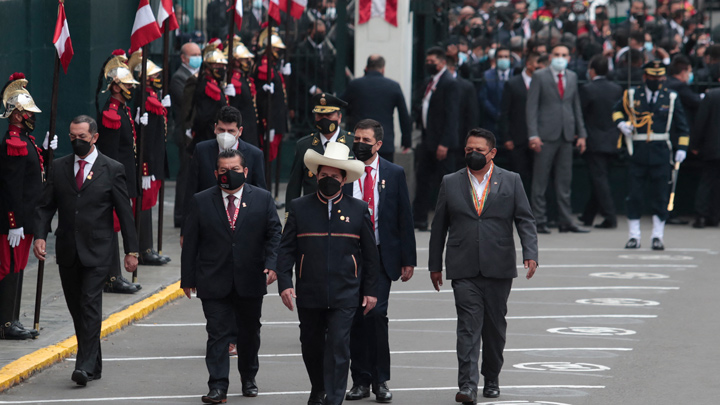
[597,325]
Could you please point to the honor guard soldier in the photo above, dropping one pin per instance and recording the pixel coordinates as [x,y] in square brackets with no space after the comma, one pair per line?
[647,115]
[327,121]
[208,93]
[21,177]
[116,140]
[154,165]
[245,99]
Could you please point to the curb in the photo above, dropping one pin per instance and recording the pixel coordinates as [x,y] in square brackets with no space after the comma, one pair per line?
[24,367]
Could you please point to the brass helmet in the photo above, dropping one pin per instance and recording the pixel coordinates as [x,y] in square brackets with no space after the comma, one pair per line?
[240,51]
[135,65]
[117,71]
[212,53]
[16,97]
[275,41]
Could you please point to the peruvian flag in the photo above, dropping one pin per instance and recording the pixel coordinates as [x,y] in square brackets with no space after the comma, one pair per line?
[387,9]
[296,8]
[274,9]
[145,29]
[165,12]
[238,14]
[61,40]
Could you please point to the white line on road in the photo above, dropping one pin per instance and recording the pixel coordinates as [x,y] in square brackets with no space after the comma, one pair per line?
[622,287]
[702,250]
[604,265]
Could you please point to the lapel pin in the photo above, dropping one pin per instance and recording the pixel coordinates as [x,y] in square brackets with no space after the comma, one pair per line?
[339,211]
[244,205]
[89,177]
[383,183]
[347,219]
[342,217]
[495,182]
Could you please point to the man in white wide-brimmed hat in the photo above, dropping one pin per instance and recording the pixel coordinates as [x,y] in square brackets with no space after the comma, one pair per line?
[329,239]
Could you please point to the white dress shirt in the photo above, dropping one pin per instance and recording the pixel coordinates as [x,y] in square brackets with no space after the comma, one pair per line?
[555,77]
[238,197]
[90,159]
[428,96]
[651,96]
[357,192]
[526,78]
[480,186]
[332,138]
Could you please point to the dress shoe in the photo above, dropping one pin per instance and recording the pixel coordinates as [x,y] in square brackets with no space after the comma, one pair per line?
[466,396]
[215,396]
[357,392]
[632,243]
[152,258]
[491,389]
[699,223]
[33,332]
[543,228]
[572,228]
[316,398]
[120,285]
[606,225]
[657,244]
[80,377]
[585,221]
[677,221]
[11,331]
[552,224]
[232,349]
[421,226]
[249,388]
[382,393]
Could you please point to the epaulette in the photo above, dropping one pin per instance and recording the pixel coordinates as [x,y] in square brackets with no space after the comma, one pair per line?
[212,90]
[15,145]
[110,117]
[237,83]
[153,105]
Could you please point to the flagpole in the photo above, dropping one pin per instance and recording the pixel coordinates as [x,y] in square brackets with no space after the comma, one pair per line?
[231,43]
[270,74]
[139,148]
[166,86]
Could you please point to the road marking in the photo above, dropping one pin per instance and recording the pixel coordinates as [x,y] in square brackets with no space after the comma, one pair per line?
[158,397]
[623,302]
[630,275]
[592,331]
[564,366]
[656,257]
[591,288]
[605,265]
[701,250]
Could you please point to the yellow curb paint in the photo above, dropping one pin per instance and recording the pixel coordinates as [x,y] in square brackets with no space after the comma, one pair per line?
[24,367]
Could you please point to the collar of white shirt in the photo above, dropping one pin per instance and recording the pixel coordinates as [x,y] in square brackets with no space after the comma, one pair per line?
[332,138]
[237,194]
[236,146]
[89,159]
[526,77]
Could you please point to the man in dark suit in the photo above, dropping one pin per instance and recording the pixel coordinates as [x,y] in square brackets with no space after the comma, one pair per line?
[476,210]
[229,254]
[437,114]
[313,68]
[85,188]
[329,239]
[377,97]
[512,126]
[597,98]
[383,187]
[678,80]
[490,95]
[705,143]
[554,120]
[468,110]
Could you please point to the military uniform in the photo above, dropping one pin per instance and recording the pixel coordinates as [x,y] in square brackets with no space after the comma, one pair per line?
[657,118]
[245,98]
[272,92]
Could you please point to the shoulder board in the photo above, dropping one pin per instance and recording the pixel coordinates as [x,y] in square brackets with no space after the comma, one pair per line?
[111,119]
[212,90]
[16,146]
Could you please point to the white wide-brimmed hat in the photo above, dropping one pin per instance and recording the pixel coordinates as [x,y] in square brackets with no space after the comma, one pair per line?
[336,155]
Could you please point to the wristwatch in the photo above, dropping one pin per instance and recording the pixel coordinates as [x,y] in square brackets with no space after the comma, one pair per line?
[134,254]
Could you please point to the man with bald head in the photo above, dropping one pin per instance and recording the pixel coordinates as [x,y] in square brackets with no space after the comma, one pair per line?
[376,97]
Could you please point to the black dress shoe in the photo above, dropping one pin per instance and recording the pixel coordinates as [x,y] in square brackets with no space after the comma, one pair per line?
[699,223]
[606,225]
[421,225]
[677,221]
[552,224]
[316,398]
[382,393]
[632,243]
[249,388]
[215,396]
[543,228]
[120,285]
[358,392]
[585,221]
[491,389]
[572,228]
[11,331]
[466,396]
[33,332]
[152,258]
[80,377]
[657,244]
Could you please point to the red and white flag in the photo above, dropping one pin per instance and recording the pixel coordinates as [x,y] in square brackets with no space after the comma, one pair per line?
[145,29]
[386,9]
[61,40]
[166,12]
[238,14]
[274,9]
[296,8]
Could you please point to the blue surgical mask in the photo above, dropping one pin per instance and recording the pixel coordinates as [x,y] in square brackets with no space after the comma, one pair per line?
[648,46]
[691,77]
[257,4]
[195,62]
[503,64]
[559,64]
[483,58]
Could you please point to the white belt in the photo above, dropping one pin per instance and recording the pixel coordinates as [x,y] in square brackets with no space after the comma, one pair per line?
[653,137]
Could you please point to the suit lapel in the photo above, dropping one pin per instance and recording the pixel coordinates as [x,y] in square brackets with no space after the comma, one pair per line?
[97,170]
[465,190]
[382,166]
[69,169]
[494,183]
[245,203]
[219,204]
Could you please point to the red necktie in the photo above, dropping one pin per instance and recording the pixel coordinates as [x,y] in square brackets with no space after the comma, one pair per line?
[561,86]
[231,210]
[369,193]
[80,175]
[429,88]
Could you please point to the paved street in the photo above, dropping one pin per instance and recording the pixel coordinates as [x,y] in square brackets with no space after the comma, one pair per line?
[597,325]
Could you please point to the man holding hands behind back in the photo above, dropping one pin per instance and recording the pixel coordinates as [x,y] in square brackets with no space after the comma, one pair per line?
[476,209]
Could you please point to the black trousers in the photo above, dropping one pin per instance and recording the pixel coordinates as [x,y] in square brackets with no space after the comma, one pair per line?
[601,200]
[707,197]
[83,288]
[145,242]
[656,178]
[521,162]
[245,313]
[180,185]
[428,173]
[10,293]
[325,342]
[481,305]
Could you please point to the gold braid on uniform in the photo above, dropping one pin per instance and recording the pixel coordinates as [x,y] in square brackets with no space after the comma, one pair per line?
[638,119]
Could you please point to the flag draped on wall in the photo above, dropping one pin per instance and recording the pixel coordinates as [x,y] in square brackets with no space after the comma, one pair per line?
[386,9]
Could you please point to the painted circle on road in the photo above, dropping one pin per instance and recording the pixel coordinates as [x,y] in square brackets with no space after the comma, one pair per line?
[630,275]
[564,366]
[624,302]
[592,331]
[656,257]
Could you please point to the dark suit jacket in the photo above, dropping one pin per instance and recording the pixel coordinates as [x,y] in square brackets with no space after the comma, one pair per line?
[332,257]
[469,110]
[177,87]
[597,98]
[490,98]
[689,99]
[216,259]
[397,235]
[513,122]
[548,115]
[481,244]
[705,137]
[375,96]
[442,115]
[85,216]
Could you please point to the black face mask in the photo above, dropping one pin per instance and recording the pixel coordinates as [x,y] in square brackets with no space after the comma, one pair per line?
[328,186]
[28,122]
[476,31]
[219,73]
[157,83]
[362,151]
[231,180]
[431,68]
[80,147]
[326,126]
[127,94]
[318,37]
[653,85]
[475,160]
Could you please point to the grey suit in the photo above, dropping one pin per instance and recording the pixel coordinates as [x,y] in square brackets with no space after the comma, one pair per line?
[481,263]
[556,121]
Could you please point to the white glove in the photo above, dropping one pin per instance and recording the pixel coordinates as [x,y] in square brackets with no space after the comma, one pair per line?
[15,235]
[188,133]
[269,87]
[626,128]
[166,101]
[680,156]
[287,70]
[230,90]
[142,120]
[53,144]
[147,182]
